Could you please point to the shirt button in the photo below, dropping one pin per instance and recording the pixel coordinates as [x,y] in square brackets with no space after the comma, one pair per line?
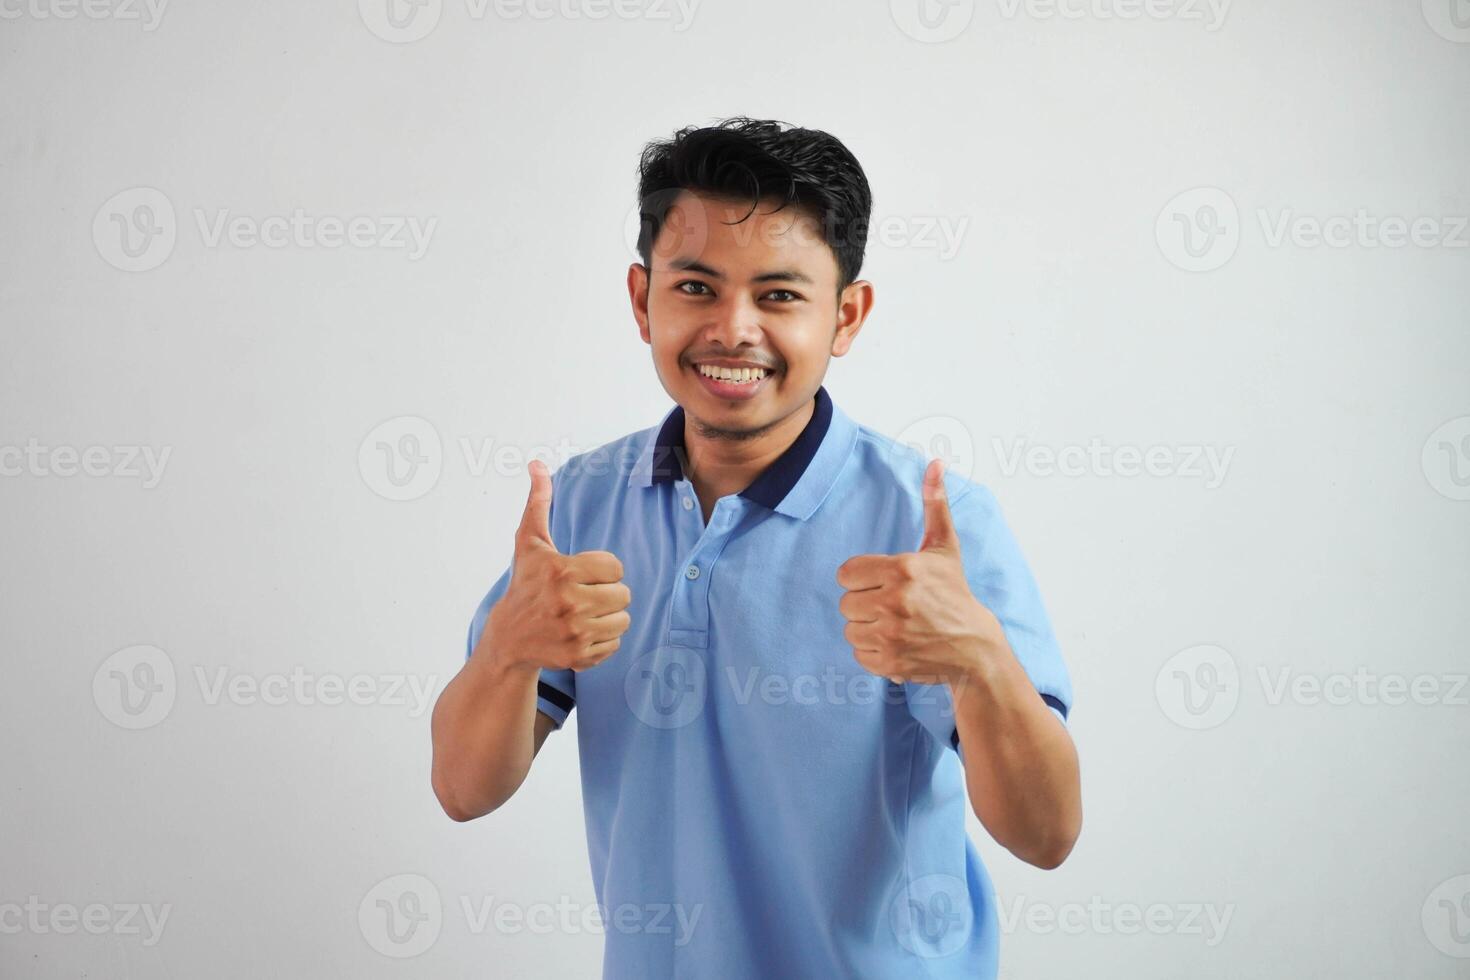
[692,572]
[688,504]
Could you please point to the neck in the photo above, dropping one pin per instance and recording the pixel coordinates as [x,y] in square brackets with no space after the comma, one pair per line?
[725,461]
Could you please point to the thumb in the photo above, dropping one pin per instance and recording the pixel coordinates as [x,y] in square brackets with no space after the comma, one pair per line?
[536,521]
[939,532]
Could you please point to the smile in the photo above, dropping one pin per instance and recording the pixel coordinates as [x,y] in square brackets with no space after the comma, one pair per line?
[732,383]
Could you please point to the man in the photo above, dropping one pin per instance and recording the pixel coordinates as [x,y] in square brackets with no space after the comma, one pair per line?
[796,650]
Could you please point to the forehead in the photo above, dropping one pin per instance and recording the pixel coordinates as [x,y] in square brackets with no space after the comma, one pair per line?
[727,232]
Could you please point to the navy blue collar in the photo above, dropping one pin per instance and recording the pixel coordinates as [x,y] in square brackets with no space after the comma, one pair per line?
[771,487]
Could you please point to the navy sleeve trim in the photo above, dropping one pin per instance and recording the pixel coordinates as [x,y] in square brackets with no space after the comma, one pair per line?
[562,701]
[1055,703]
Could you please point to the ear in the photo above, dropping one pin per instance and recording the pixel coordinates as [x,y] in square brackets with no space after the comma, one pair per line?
[638,296]
[853,307]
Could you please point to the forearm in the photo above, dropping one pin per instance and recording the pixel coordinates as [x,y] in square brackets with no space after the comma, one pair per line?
[1021,768]
[483,734]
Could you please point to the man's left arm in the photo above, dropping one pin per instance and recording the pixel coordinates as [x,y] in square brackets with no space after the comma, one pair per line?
[1021,767]
[944,616]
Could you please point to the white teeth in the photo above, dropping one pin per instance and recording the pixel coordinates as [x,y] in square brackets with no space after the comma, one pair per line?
[737,375]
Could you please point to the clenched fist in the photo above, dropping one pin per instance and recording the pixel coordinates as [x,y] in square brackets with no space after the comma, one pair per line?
[559,611]
[912,616]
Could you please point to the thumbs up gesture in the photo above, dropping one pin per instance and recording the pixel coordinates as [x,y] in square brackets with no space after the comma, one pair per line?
[912,616]
[559,611]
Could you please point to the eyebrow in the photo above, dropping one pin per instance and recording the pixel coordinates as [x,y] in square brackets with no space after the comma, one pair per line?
[775,275]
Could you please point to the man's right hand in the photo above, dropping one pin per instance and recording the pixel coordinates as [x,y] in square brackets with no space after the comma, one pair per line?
[559,611]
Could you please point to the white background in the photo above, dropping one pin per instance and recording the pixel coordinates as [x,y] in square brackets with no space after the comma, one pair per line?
[1333,544]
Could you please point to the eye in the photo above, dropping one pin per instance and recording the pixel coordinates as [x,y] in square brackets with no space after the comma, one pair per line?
[778,294]
[700,289]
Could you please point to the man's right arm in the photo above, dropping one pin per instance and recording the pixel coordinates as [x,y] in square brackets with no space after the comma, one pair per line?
[486,731]
[558,612]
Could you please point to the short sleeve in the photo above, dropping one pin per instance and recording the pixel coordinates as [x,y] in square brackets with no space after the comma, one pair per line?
[1000,578]
[556,690]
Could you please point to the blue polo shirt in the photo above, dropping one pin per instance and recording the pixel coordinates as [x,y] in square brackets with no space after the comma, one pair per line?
[757,804]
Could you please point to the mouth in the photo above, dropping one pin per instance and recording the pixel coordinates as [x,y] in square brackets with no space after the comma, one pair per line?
[732,383]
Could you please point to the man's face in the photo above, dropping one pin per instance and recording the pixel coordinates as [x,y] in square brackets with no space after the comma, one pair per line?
[758,296]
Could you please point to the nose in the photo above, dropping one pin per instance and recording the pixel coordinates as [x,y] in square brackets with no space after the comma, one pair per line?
[733,321]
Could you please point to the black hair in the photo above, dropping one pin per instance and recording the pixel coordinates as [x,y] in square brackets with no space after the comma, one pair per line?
[744,158]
